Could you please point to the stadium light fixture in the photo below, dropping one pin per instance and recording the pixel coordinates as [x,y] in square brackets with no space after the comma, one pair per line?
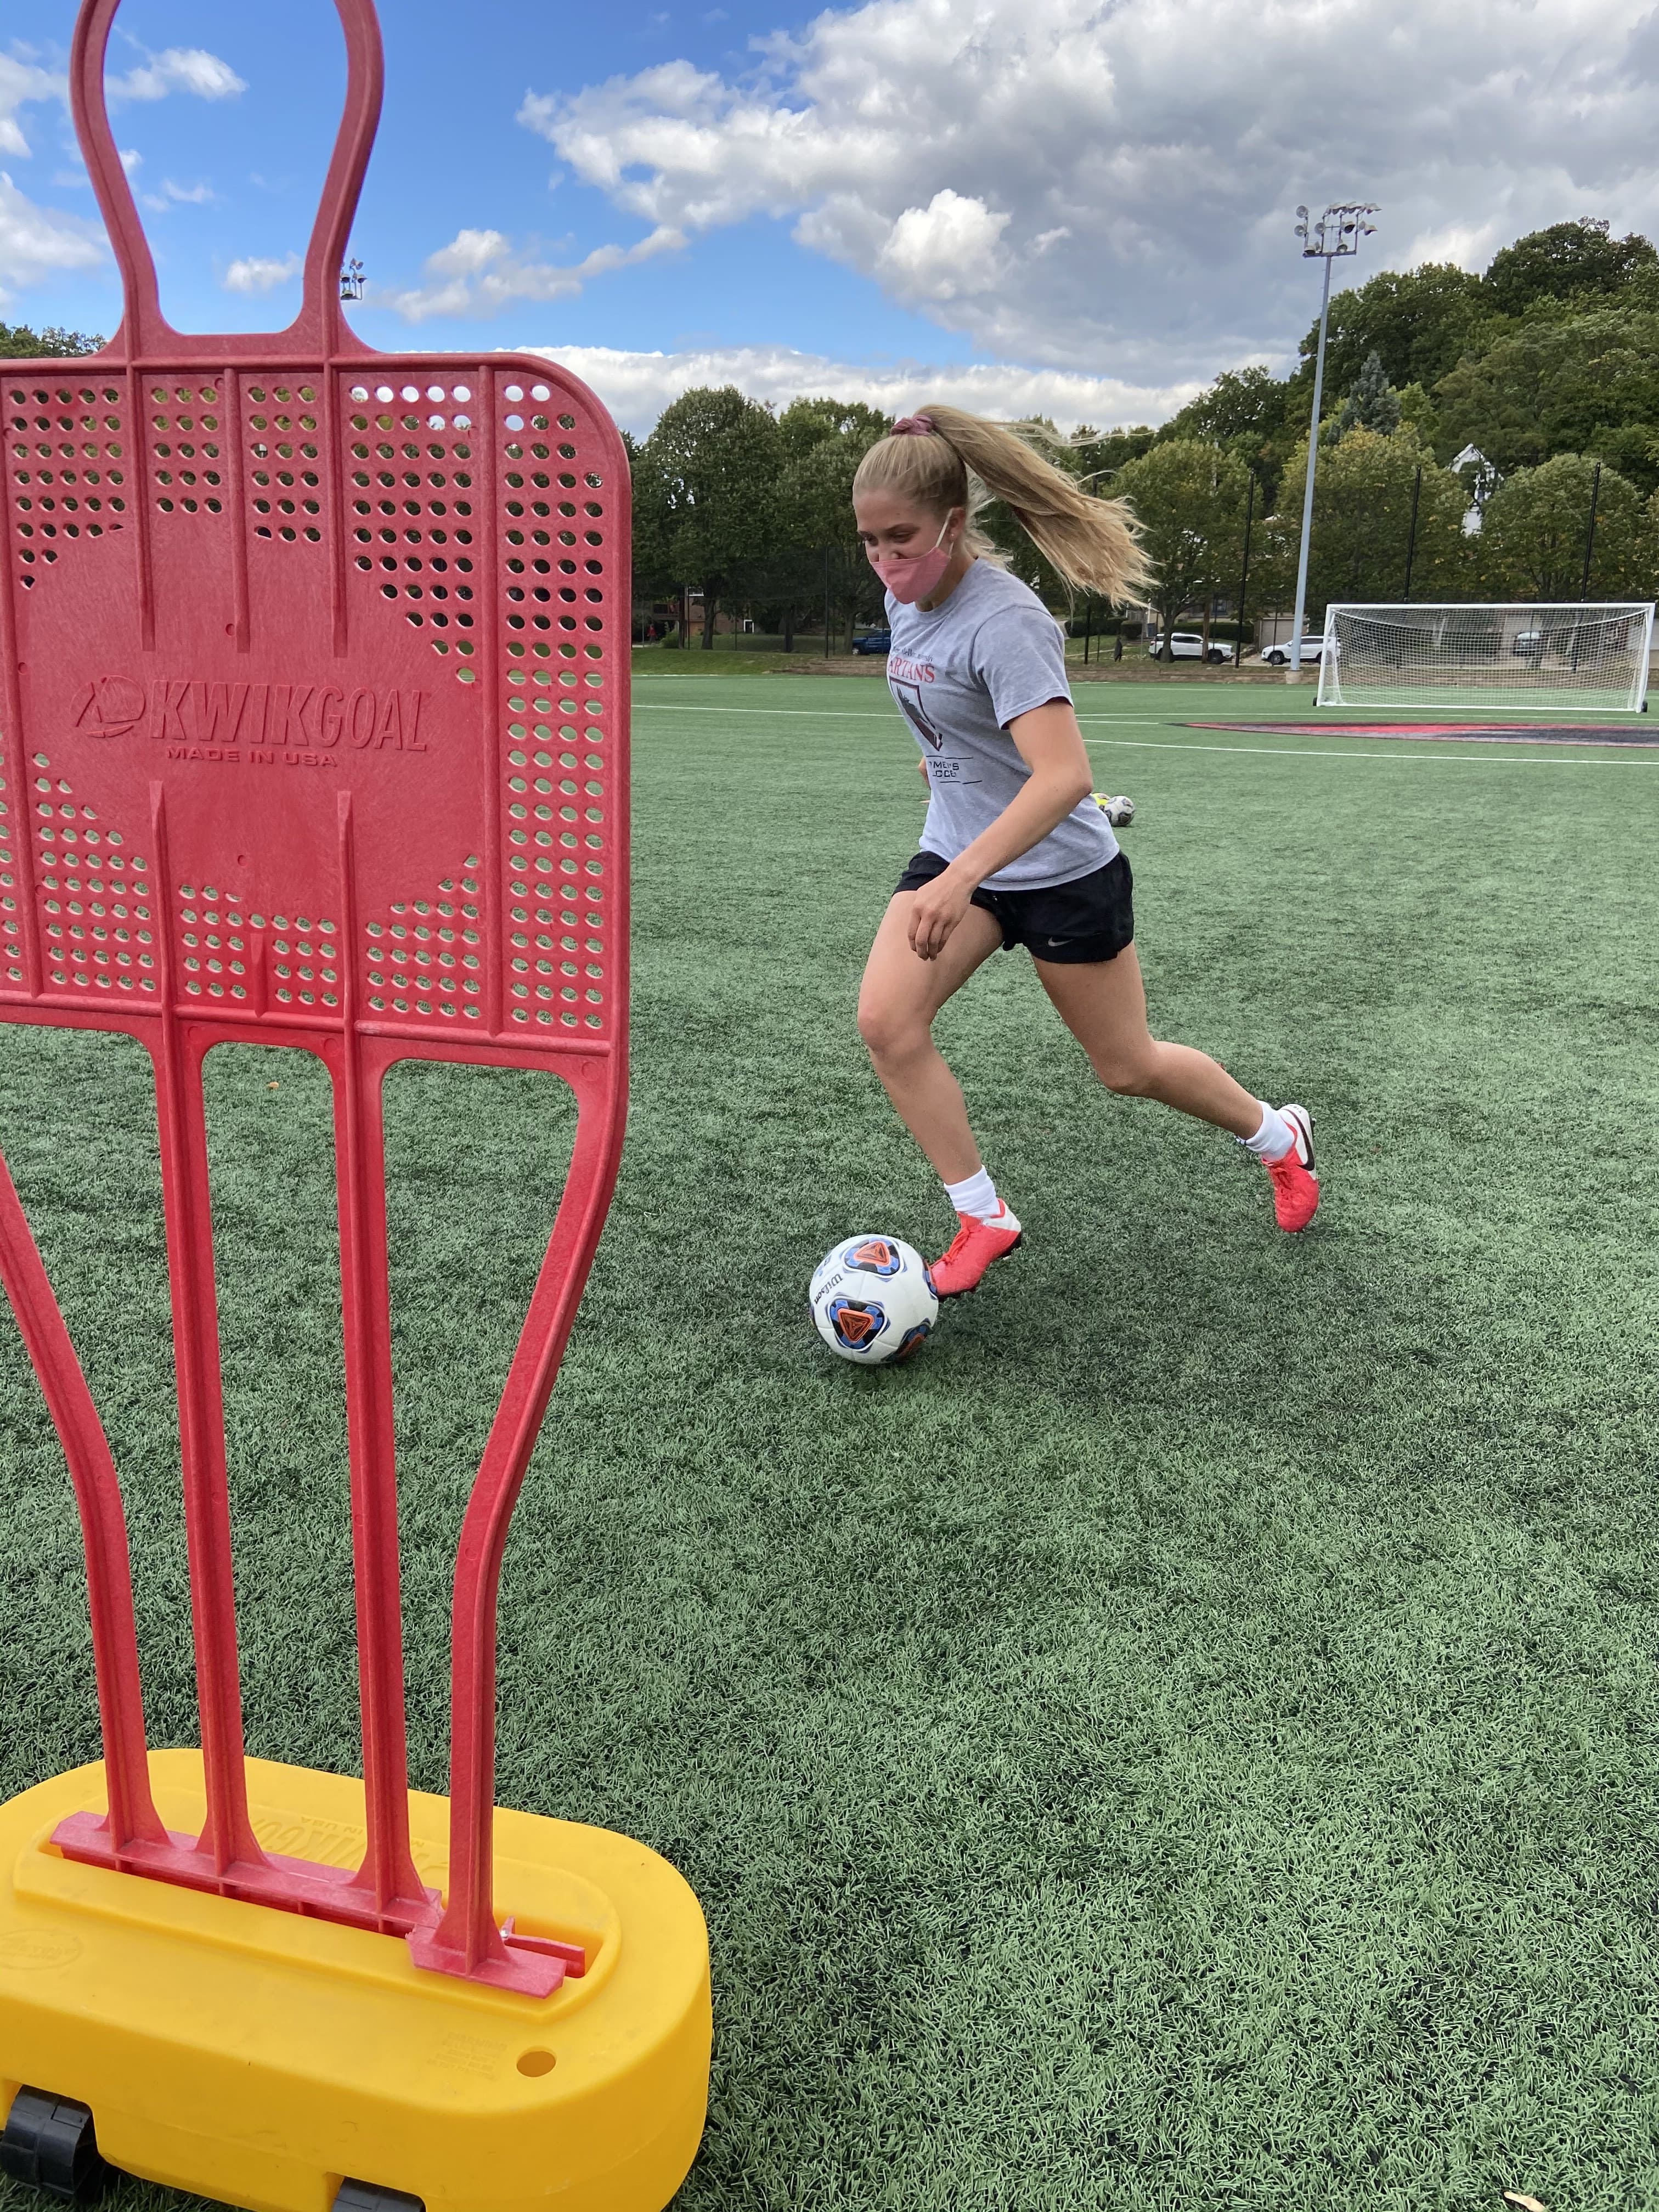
[1334,234]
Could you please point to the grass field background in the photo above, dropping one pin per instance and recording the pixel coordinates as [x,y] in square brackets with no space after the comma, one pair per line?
[1189,1740]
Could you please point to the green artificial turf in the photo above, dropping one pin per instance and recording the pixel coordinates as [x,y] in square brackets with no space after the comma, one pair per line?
[1189,1740]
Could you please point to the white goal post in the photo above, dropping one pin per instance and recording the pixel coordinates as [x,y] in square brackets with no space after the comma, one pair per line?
[1518,658]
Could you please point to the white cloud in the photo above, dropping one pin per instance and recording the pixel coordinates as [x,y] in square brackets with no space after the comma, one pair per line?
[1470,244]
[37,241]
[1080,183]
[637,386]
[131,160]
[180,69]
[950,248]
[468,253]
[20,83]
[171,196]
[255,273]
[479,272]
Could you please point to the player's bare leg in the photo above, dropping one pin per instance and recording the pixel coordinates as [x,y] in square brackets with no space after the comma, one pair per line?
[1103,1004]
[898,1000]
[900,997]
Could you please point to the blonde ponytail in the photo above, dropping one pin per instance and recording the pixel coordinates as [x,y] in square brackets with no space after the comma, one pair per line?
[946,457]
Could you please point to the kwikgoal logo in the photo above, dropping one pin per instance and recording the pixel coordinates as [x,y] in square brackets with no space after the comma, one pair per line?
[318,717]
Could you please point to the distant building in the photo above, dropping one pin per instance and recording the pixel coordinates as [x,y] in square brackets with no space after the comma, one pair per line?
[1483,481]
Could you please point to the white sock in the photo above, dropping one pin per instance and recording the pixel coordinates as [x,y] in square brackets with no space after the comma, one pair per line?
[975,1195]
[1274,1139]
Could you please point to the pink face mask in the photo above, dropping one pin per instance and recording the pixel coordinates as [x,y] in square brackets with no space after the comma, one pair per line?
[913,576]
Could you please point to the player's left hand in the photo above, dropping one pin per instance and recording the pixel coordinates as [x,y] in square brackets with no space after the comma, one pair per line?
[935,910]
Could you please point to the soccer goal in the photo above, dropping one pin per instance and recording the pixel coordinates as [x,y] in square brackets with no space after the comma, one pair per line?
[1518,658]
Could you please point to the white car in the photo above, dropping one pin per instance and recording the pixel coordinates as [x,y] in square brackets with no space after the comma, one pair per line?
[1185,645]
[1278,656]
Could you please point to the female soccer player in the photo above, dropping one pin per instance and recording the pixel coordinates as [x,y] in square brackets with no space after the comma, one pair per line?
[1015,851]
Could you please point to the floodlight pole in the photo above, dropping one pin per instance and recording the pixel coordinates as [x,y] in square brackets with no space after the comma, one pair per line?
[1337,232]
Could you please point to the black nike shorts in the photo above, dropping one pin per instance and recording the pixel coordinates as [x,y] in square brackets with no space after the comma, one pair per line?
[1090,918]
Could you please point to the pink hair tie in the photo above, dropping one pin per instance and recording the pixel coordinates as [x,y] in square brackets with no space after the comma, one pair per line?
[913,426]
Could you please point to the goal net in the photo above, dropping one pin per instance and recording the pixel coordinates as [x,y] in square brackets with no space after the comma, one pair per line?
[1518,658]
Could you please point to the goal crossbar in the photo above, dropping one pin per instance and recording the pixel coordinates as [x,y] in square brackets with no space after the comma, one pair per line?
[1513,657]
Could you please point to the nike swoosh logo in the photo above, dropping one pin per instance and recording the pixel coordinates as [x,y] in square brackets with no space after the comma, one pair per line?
[1059,940]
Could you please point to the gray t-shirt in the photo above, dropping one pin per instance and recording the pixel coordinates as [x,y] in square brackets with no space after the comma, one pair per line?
[961,674]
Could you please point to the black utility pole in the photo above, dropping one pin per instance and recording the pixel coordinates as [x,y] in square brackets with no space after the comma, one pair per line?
[1411,541]
[1088,624]
[1590,535]
[1590,548]
[826,603]
[1244,574]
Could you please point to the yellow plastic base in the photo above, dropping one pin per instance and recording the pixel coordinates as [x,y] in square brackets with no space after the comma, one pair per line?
[259,2057]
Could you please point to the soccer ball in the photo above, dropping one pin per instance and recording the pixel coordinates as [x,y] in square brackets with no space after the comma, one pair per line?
[1118,810]
[873,1299]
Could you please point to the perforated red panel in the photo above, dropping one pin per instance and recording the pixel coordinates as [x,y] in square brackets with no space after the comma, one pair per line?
[261,591]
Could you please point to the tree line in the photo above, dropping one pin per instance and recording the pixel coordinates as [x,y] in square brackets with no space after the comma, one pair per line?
[1525,397]
[1538,376]
[19,342]
[1546,364]
[754,510]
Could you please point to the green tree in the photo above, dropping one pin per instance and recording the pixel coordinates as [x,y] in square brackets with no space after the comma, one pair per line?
[1245,403]
[1536,526]
[1419,415]
[1254,415]
[1420,325]
[1372,402]
[715,457]
[1189,497]
[19,342]
[807,425]
[1102,453]
[1588,383]
[1565,262]
[816,542]
[1362,525]
[654,574]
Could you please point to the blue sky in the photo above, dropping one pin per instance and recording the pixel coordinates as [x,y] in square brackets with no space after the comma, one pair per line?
[1028,202]
[449,155]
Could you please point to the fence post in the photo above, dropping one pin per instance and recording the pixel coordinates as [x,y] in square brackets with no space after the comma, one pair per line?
[1411,541]
[1590,535]
[1244,574]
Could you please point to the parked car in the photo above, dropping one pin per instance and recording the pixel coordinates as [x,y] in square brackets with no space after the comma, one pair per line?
[873,641]
[1278,656]
[1185,645]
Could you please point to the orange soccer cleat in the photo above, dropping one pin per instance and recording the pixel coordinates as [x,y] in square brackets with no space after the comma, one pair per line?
[962,1264]
[1294,1178]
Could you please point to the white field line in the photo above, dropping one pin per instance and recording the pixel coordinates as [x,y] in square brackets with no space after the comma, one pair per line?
[1421,755]
[1422,751]
[856,713]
